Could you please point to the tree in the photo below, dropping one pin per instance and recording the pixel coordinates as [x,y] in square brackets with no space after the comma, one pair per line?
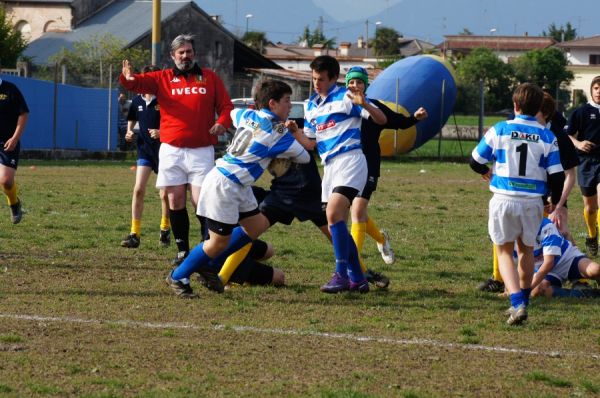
[386,41]
[88,63]
[12,43]
[547,68]
[483,64]
[465,32]
[309,38]
[256,40]
[566,33]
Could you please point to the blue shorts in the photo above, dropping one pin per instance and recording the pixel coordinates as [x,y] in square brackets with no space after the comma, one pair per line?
[10,159]
[588,175]
[148,163]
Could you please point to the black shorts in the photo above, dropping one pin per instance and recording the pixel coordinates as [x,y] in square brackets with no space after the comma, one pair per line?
[588,175]
[224,229]
[370,187]
[284,210]
[252,272]
[10,159]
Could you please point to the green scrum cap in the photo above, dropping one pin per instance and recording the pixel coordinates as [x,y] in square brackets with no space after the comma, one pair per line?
[357,72]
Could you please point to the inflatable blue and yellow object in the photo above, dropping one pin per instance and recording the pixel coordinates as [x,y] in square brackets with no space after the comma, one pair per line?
[407,85]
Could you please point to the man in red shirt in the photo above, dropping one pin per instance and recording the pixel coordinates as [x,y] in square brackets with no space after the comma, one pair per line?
[189,98]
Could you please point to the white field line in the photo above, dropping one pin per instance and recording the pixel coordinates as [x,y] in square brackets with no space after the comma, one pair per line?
[306,333]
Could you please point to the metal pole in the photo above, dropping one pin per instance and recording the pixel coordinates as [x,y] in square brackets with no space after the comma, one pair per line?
[481,105]
[441,118]
[397,111]
[156,44]
[109,105]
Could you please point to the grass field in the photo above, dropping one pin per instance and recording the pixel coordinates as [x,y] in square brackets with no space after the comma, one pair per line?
[80,316]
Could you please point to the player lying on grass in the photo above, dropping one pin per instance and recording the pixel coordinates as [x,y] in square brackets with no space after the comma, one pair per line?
[558,261]
[226,196]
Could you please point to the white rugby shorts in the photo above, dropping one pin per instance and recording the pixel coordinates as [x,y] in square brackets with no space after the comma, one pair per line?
[179,166]
[514,217]
[223,200]
[561,270]
[345,170]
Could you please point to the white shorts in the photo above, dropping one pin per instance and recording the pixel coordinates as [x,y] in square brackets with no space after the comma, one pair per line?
[561,270]
[179,166]
[514,217]
[345,170]
[223,200]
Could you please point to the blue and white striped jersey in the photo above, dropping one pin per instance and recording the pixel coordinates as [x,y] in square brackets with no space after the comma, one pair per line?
[550,242]
[522,152]
[260,136]
[334,122]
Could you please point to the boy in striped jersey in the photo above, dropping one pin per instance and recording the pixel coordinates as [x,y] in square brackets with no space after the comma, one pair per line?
[558,261]
[332,123]
[226,197]
[525,161]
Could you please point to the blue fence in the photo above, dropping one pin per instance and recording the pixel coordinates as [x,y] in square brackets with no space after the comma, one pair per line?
[82,120]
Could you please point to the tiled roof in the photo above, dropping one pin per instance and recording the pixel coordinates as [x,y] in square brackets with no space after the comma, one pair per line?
[504,43]
[587,42]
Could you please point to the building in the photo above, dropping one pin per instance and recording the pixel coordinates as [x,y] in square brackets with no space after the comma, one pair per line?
[505,47]
[583,56]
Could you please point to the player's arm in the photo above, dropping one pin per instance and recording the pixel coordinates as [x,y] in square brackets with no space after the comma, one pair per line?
[397,120]
[138,83]
[546,267]
[376,114]
[12,142]
[129,134]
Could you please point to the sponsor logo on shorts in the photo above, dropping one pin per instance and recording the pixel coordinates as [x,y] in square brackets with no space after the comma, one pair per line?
[517,135]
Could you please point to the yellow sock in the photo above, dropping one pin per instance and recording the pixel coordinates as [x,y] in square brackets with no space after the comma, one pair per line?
[358,231]
[136,226]
[496,273]
[11,195]
[232,262]
[591,219]
[373,231]
[165,223]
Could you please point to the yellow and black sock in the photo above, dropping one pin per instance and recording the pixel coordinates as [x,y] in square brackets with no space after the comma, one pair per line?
[233,262]
[591,219]
[358,231]
[136,227]
[374,232]
[11,195]
[165,223]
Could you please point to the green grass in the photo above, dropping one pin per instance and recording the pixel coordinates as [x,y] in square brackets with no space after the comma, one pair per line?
[109,327]
[473,120]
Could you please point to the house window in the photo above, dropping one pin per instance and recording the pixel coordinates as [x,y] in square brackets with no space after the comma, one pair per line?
[24,28]
[218,49]
[594,59]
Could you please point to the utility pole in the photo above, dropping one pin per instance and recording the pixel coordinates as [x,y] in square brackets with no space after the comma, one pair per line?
[156,50]
[367,38]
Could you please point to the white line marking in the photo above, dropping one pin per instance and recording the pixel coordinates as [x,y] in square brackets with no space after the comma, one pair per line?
[293,332]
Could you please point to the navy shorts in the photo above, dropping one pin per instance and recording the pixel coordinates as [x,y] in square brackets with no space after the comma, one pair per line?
[10,159]
[284,210]
[253,272]
[588,175]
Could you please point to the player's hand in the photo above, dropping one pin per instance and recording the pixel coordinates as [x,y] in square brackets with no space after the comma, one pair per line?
[11,144]
[585,146]
[487,176]
[154,133]
[217,129]
[357,97]
[420,113]
[291,126]
[127,70]
[129,136]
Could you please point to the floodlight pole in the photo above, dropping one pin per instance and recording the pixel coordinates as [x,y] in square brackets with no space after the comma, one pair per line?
[156,32]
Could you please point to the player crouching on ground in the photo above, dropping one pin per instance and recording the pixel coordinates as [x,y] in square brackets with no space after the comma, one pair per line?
[226,196]
[559,261]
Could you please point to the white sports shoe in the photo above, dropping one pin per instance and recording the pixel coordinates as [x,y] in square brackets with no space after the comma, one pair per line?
[387,254]
[516,316]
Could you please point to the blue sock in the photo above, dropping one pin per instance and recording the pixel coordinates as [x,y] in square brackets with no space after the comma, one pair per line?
[237,240]
[561,292]
[194,261]
[516,299]
[354,271]
[339,238]
[526,294]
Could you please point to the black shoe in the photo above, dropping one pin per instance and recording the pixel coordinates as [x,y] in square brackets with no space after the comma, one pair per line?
[213,282]
[16,212]
[182,290]
[492,286]
[132,241]
[591,245]
[179,258]
[377,279]
[165,238]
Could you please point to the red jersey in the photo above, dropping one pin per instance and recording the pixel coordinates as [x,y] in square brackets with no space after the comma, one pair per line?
[188,103]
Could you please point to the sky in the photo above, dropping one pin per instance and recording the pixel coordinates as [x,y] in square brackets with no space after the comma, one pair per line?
[429,20]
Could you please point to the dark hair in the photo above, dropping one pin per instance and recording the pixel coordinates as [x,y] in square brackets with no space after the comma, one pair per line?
[326,63]
[528,97]
[595,80]
[548,106]
[267,90]
[150,68]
